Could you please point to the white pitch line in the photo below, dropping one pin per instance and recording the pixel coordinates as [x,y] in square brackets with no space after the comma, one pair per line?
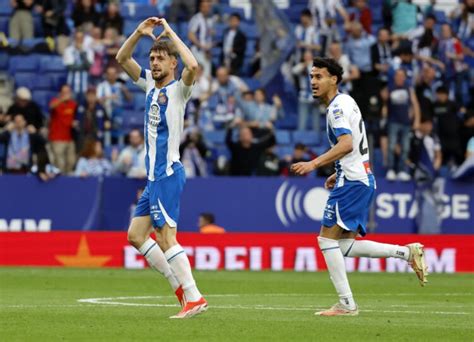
[112,301]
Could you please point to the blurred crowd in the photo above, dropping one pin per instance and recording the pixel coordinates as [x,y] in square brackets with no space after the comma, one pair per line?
[409,68]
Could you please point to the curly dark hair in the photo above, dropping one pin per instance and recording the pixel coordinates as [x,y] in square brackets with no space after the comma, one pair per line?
[331,65]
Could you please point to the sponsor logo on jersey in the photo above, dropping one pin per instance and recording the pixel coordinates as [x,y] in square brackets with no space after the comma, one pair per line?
[337,112]
[154,115]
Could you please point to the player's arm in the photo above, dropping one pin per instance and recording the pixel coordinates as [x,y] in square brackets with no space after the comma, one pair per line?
[190,64]
[416,109]
[124,55]
[338,151]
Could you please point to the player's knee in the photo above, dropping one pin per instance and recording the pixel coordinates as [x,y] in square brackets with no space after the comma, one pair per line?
[327,244]
[346,245]
[135,239]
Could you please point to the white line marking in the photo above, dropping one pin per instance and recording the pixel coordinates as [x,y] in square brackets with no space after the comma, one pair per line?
[113,302]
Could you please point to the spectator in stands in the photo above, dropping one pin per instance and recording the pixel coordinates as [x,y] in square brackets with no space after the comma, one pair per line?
[325,12]
[258,114]
[406,61]
[112,18]
[84,12]
[307,108]
[362,14]
[255,62]
[194,153]
[28,108]
[467,130]
[306,35]
[246,153]
[112,42]
[21,147]
[466,169]
[21,21]
[98,65]
[131,160]
[92,162]
[464,14]
[448,127]
[424,37]
[111,93]
[200,33]
[403,113]
[351,72]
[425,159]
[450,52]
[207,224]
[54,23]
[181,9]
[381,54]
[301,153]
[78,59]
[93,121]
[269,164]
[358,48]
[425,91]
[404,16]
[234,44]
[4,119]
[62,115]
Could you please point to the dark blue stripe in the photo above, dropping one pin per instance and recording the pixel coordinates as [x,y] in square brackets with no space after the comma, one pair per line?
[326,249]
[147,108]
[149,249]
[143,74]
[175,255]
[347,253]
[163,135]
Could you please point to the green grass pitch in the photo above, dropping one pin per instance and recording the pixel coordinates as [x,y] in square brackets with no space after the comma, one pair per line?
[44,304]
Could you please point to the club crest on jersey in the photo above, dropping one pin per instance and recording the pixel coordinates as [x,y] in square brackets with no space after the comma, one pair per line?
[162,99]
[154,115]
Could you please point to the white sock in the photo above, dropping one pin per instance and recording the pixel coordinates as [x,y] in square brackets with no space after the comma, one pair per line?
[337,270]
[157,260]
[371,249]
[179,263]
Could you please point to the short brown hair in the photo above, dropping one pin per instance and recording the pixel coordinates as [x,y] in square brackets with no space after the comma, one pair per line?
[165,45]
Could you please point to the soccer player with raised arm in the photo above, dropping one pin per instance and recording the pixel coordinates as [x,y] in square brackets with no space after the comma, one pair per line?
[352,190]
[158,207]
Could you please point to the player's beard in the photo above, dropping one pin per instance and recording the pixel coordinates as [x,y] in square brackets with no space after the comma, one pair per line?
[161,76]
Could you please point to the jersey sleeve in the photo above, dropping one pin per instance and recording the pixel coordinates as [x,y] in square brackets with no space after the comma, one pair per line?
[339,119]
[142,82]
[185,90]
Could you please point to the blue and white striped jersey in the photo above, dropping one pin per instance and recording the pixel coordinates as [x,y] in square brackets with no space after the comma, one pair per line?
[344,117]
[164,118]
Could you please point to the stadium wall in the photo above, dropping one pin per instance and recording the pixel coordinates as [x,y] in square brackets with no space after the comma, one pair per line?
[273,205]
[231,251]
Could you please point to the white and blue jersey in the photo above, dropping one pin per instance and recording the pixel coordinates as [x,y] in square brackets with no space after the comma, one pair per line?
[349,201]
[164,120]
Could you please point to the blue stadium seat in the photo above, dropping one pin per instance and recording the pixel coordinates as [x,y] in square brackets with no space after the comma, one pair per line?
[25,79]
[183,27]
[38,26]
[57,79]
[305,137]
[130,26]
[139,103]
[30,43]
[43,97]
[252,83]
[23,63]
[283,137]
[52,63]
[250,30]
[226,9]
[132,119]
[284,150]
[287,122]
[215,137]
[219,31]
[3,60]
[5,9]
[43,82]
[4,24]
[2,155]
[250,48]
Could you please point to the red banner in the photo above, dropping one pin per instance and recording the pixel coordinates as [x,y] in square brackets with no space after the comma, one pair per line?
[231,251]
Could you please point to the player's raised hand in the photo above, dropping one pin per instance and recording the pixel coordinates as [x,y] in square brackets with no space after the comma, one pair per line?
[302,168]
[166,28]
[147,26]
[330,182]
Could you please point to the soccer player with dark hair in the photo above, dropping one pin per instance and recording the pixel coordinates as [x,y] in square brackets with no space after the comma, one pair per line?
[158,206]
[352,190]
